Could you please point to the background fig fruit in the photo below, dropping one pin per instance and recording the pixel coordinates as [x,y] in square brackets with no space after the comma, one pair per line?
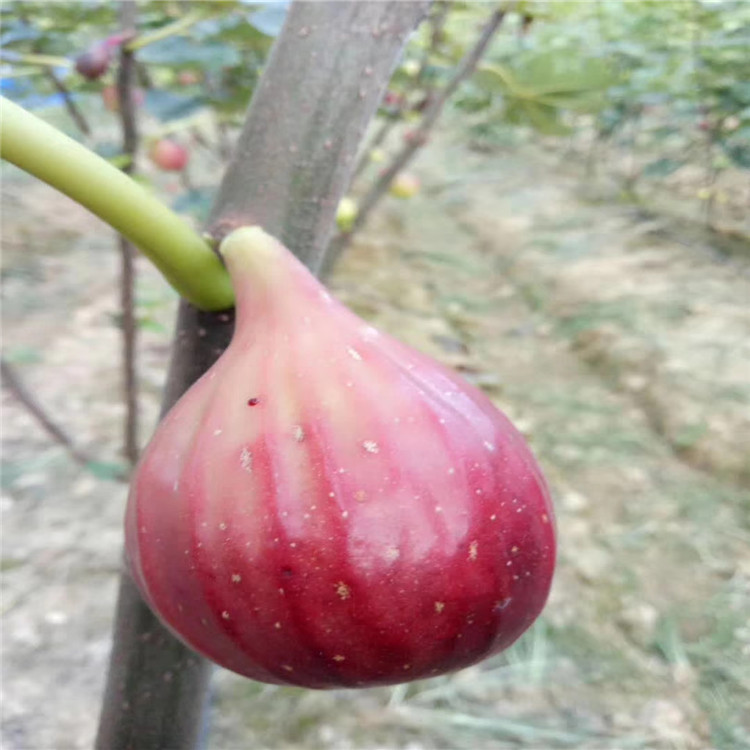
[327,507]
[94,62]
[404,185]
[168,155]
[346,213]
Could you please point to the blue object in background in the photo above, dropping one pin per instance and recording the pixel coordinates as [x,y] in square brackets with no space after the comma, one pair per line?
[22,91]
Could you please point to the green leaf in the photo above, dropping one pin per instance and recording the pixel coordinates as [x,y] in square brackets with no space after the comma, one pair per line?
[180,51]
[23,355]
[167,105]
[108,470]
[662,167]
[195,202]
[149,324]
[270,19]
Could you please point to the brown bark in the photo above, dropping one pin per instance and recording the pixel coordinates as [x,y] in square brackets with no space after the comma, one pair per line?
[297,151]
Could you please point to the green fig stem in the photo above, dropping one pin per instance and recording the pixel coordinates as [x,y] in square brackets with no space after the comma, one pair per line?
[181,254]
[164,32]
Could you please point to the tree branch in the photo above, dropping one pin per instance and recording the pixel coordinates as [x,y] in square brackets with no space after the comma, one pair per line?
[437,18]
[126,83]
[295,156]
[419,135]
[75,114]
[15,385]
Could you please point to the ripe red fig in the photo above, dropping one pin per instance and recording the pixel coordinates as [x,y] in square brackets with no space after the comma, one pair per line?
[327,507]
[169,155]
[94,62]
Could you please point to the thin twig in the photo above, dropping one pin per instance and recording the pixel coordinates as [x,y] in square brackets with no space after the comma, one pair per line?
[437,20]
[16,386]
[418,135]
[75,113]
[126,80]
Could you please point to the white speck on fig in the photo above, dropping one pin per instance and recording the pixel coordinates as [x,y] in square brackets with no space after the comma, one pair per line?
[246,460]
[236,577]
[353,353]
[473,550]
[370,446]
[439,607]
[299,433]
[225,615]
[343,590]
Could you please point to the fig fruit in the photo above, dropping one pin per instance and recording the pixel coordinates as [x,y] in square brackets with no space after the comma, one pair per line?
[94,62]
[168,155]
[327,507]
[404,185]
[346,213]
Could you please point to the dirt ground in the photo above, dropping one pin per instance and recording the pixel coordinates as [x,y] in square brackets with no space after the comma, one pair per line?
[617,342]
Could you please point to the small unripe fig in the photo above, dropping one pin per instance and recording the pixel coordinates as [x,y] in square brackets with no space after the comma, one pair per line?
[346,213]
[327,507]
[377,156]
[94,63]
[404,185]
[411,67]
[168,155]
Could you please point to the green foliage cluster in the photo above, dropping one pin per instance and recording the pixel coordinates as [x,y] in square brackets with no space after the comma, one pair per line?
[673,74]
[222,50]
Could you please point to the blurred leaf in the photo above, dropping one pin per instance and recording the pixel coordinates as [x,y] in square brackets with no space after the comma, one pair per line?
[195,202]
[149,324]
[662,167]
[270,19]
[18,31]
[23,355]
[108,470]
[181,51]
[167,105]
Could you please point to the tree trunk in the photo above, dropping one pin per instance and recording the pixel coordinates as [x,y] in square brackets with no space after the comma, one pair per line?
[293,161]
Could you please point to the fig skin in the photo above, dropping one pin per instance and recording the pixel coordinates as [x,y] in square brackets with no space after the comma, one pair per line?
[327,507]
